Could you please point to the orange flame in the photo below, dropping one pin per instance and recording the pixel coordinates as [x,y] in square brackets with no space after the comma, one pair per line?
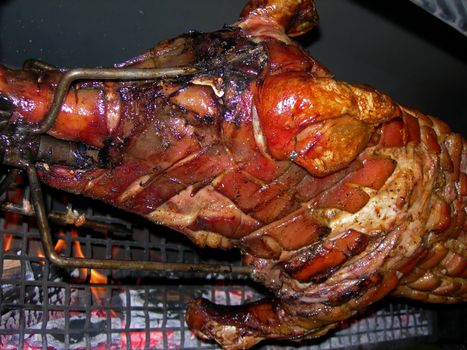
[40,255]
[60,246]
[95,277]
[7,242]
[13,219]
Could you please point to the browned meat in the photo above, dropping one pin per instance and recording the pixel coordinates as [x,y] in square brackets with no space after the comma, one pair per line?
[335,194]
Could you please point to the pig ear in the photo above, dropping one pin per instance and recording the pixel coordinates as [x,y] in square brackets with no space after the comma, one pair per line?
[296,16]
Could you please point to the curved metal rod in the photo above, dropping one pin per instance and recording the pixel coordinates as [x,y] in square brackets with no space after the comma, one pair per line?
[101,74]
[108,264]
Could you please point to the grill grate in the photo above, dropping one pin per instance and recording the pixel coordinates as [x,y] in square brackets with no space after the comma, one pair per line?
[44,307]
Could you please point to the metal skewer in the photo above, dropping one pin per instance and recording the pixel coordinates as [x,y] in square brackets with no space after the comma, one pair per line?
[101,74]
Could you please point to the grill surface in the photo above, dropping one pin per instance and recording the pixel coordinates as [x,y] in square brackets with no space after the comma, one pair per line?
[43,307]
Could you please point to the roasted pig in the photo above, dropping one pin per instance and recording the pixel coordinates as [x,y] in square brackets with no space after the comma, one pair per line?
[335,194]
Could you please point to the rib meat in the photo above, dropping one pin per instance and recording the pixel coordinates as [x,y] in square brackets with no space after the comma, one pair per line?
[336,195]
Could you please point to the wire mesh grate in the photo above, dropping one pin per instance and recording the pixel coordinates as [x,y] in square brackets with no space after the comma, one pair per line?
[453,13]
[44,307]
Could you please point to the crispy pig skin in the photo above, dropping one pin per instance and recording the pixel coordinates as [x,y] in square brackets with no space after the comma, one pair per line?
[336,195]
